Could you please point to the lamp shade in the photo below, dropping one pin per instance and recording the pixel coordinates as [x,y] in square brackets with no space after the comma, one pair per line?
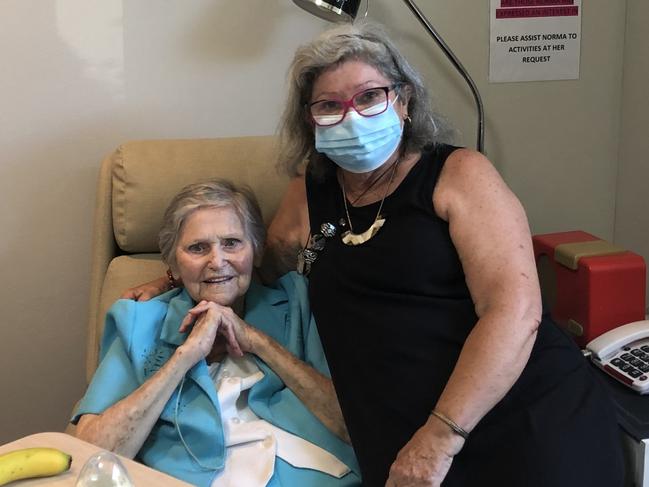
[331,10]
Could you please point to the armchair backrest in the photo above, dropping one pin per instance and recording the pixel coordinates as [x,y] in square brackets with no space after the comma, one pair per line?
[136,182]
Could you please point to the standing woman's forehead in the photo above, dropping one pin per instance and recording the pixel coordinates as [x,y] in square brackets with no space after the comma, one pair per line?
[347,79]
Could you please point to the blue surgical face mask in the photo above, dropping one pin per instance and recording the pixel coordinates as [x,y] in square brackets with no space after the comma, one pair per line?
[361,144]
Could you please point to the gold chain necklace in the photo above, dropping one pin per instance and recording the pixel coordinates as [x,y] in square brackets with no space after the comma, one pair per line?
[351,238]
[372,184]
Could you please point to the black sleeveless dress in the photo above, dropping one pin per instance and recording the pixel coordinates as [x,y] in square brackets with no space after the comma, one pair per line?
[393,314]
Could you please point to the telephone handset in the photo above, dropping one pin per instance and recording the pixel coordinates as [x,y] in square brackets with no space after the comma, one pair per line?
[623,353]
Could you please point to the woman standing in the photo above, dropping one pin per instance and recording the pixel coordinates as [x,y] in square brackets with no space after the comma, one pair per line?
[424,288]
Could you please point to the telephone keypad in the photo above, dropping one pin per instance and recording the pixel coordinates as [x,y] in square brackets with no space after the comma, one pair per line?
[633,361]
[623,353]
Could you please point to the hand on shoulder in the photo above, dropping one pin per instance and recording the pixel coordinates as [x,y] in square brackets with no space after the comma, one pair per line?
[148,290]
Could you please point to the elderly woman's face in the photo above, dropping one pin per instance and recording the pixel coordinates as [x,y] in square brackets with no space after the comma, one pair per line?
[214,256]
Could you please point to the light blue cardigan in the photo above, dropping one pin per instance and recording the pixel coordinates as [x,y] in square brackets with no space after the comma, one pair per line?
[187,440]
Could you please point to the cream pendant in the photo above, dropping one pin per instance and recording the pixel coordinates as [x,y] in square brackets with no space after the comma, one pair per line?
[350,238]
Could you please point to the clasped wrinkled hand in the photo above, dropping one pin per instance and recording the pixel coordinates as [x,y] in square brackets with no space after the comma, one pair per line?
[210,321]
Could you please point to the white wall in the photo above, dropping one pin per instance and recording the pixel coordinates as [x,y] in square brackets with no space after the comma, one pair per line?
[555,142]
[80,76]
[632,215]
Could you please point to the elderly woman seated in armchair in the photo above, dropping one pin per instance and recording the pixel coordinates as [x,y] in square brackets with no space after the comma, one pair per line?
[166,392]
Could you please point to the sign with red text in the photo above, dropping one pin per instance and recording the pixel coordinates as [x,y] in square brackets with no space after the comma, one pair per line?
[534,40]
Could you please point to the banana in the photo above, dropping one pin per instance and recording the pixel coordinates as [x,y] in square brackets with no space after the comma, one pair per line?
[32,462]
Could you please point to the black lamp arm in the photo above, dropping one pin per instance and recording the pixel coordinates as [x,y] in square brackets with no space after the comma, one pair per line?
[458,66]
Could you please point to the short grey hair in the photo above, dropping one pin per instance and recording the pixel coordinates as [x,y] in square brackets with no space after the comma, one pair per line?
[214,193]
[364,41]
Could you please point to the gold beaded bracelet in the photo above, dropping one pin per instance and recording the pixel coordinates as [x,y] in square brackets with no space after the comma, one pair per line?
[451,424]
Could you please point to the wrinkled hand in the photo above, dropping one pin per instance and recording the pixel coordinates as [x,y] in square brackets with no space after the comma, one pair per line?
[146,291]
[426,459]
[212,320]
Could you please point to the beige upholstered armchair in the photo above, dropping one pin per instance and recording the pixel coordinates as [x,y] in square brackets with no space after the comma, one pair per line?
[136,183]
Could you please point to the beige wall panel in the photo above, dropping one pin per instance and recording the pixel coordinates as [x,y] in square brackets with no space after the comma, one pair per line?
[632,214]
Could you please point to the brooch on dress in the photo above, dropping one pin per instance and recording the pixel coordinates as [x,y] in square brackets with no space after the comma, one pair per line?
[315,244]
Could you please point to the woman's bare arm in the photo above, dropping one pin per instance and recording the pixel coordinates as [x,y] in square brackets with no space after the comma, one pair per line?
[315,390]
[489,229]
[123,427]
[288,232]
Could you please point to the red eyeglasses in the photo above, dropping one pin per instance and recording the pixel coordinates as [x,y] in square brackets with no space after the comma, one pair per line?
[368,103]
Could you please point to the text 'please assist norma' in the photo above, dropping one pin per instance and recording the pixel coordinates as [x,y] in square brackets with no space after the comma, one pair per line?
[534,40]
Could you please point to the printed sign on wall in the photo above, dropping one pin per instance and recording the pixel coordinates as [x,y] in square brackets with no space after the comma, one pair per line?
[534,40]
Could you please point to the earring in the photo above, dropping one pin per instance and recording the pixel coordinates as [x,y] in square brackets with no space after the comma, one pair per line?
[408,119]
[171,280]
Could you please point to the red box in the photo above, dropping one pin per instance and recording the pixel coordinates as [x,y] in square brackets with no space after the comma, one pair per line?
[590,285]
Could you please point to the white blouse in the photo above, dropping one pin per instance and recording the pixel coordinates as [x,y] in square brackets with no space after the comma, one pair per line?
[251,442]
